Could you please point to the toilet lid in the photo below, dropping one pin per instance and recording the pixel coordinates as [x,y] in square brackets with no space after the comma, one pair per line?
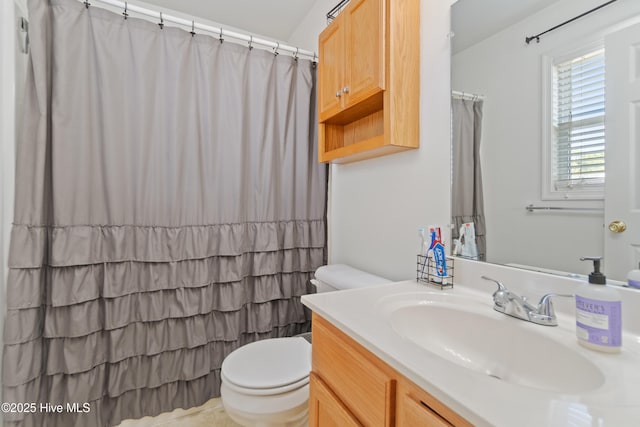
[270,363]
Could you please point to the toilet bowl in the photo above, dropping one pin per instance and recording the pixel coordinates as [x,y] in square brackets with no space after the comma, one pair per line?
[266,383]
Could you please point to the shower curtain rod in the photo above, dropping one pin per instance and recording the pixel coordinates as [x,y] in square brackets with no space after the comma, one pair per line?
[331,15]
[193,25]
[537,36]
[531,208]
[465,95]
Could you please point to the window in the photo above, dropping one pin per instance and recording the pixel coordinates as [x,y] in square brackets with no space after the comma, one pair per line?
[576,160]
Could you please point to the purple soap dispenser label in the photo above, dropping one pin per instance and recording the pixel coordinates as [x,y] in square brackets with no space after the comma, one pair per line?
[599,322]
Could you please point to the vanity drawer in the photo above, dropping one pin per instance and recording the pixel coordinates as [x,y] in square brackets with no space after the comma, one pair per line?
[412,412]
[416,407]
[360,380]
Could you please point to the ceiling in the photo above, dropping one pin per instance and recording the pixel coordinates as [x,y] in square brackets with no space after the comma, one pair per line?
[276,19]
[475,20]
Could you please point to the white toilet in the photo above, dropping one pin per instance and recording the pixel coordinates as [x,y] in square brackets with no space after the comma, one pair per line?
[266,383]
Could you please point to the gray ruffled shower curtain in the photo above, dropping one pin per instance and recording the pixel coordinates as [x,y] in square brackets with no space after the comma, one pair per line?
[467,197]
[169,209]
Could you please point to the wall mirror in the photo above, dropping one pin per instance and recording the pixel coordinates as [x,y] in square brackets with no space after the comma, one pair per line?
[515,80]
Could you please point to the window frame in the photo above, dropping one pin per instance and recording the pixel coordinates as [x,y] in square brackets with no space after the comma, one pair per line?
[548,192]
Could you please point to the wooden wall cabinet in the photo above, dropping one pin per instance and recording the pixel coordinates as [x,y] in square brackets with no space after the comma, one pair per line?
[351,68]
[350,386]
[369,81]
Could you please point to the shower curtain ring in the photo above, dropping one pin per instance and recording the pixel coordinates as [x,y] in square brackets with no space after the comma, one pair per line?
[125,13]
[295,56]
[275,52]
[161,24]
[193,28]
[250,42]
[221,38]
[87,4]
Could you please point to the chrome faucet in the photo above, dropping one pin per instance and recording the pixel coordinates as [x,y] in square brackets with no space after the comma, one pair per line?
[516,306]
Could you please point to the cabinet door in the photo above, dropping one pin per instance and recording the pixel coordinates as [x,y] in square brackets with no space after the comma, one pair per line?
[330,69]
[358,378]
[325,409]
[364,49]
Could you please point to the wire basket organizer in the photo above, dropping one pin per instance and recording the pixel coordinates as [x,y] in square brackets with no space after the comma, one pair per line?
[426,272]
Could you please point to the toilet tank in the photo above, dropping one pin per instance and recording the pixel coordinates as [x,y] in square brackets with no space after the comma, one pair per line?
[335,277]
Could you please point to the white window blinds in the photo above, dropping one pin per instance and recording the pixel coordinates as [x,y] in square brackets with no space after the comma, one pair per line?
[578,123]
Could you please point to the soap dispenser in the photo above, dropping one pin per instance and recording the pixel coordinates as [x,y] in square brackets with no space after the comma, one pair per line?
[598,312]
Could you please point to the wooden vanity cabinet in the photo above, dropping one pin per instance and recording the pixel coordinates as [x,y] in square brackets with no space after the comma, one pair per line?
[350,386]
[369,81]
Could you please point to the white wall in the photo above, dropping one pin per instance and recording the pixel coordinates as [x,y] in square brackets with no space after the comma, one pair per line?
[12,66]
[377,205]
[508,73]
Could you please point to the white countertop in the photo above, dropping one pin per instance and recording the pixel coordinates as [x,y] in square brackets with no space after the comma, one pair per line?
[482,400]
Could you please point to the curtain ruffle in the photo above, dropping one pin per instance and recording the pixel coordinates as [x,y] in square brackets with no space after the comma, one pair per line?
[110,382]
[69,355]
[133,404]
[117,327]
[75,285]
[148,323]
[93,244]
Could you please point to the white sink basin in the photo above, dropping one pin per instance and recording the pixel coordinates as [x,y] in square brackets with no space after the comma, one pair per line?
[473,336]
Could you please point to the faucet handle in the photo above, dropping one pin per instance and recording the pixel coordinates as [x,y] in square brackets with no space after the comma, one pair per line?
[501,287]
[545,314]
[501,296]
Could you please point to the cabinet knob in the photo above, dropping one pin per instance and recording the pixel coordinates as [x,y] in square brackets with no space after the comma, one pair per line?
[338,94]
[345,89]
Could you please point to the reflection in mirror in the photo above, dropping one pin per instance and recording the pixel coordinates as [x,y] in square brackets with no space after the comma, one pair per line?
[523,134]
[467,202]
